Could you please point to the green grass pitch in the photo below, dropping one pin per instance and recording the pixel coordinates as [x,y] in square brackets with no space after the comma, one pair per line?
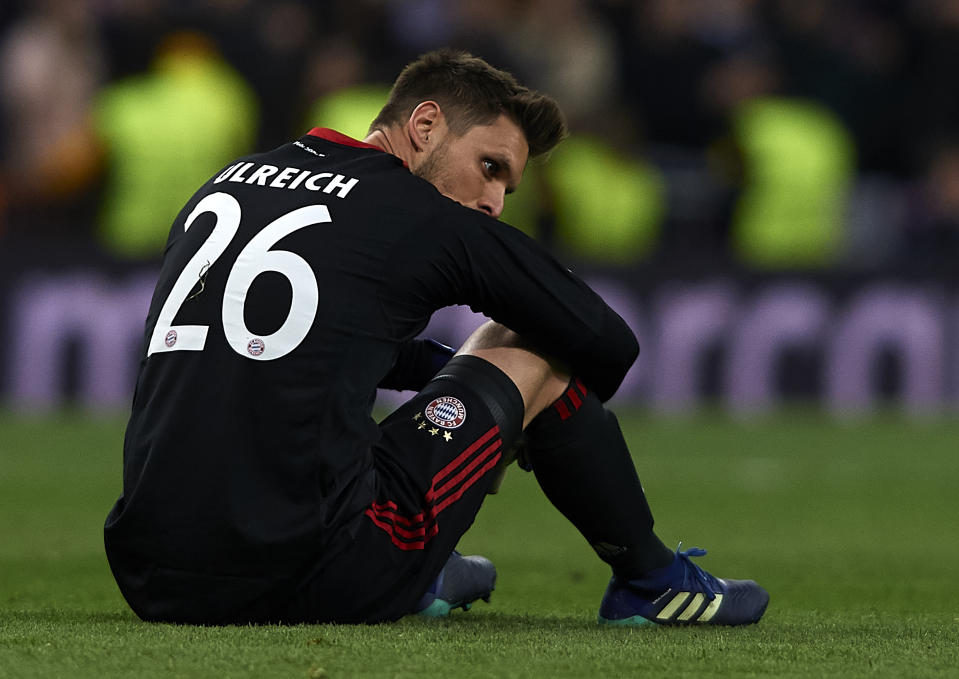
[853,528]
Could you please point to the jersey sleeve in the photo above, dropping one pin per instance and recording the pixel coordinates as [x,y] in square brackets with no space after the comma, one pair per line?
[416,363]
[469,258]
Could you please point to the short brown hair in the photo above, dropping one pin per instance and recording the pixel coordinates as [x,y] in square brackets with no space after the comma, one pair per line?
[471,92]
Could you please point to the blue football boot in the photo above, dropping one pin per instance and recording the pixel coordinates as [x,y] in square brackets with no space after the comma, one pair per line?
[682,594]
[463,580]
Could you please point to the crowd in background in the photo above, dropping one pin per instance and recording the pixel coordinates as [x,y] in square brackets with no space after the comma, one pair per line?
[763,134]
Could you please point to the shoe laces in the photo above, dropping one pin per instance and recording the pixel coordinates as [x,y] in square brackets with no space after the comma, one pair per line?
[695,578]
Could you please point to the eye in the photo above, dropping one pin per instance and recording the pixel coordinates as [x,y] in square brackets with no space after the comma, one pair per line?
[491,166]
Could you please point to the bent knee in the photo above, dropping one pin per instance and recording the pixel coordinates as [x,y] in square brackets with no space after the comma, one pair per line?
[492,335]
[539,379]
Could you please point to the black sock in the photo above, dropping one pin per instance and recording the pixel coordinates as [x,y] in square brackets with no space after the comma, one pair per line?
[582,463]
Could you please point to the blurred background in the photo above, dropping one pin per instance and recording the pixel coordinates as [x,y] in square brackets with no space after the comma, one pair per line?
[767,190]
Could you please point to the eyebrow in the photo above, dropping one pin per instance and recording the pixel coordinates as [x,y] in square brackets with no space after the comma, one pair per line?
[505,166]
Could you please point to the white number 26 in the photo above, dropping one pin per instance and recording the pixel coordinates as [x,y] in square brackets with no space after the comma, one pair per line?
[254,259]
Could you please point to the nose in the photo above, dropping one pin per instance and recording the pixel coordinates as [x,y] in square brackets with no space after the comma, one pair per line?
[492,202]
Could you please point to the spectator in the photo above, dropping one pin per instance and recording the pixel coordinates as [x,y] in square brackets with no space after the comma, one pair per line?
[566,49]
[165,132]
[664,62]
[50,67]
[851,57]
[931,237]
[609,204]
[797,163]
[342,96]
[269,44]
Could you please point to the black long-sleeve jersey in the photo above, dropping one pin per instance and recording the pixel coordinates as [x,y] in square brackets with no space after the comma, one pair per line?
[292,283]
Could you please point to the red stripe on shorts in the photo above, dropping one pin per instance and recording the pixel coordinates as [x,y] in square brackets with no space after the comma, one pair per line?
[413,532]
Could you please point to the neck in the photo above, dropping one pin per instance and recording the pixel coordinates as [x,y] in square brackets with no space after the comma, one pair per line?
[389,141]
[381,139]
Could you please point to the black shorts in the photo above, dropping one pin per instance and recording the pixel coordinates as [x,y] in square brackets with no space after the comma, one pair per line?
[418,492]
[438,455]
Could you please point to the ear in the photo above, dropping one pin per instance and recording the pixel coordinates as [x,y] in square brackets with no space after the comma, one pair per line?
[425,121]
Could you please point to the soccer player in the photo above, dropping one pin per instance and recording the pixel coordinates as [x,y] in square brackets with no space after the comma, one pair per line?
[256,486]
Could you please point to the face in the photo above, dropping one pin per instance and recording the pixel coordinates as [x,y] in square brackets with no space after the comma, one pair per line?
[479,168]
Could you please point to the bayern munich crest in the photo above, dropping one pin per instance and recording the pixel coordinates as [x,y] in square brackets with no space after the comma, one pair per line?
[170,338]
[255,347]
[446,411]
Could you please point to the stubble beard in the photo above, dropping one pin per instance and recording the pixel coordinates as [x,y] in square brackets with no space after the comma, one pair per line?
[434,167]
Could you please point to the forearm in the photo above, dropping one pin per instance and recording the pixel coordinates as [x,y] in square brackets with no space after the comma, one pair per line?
[416,364]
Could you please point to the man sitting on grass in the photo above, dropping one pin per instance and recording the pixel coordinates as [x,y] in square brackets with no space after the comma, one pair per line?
[257,488]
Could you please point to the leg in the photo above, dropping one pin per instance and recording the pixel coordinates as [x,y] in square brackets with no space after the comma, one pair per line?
[539,381]
[582,463]
[436,458]
[584,466]
[429,473]
[578,454]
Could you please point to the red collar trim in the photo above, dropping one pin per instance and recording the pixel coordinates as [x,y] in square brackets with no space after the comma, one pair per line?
[337,138]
